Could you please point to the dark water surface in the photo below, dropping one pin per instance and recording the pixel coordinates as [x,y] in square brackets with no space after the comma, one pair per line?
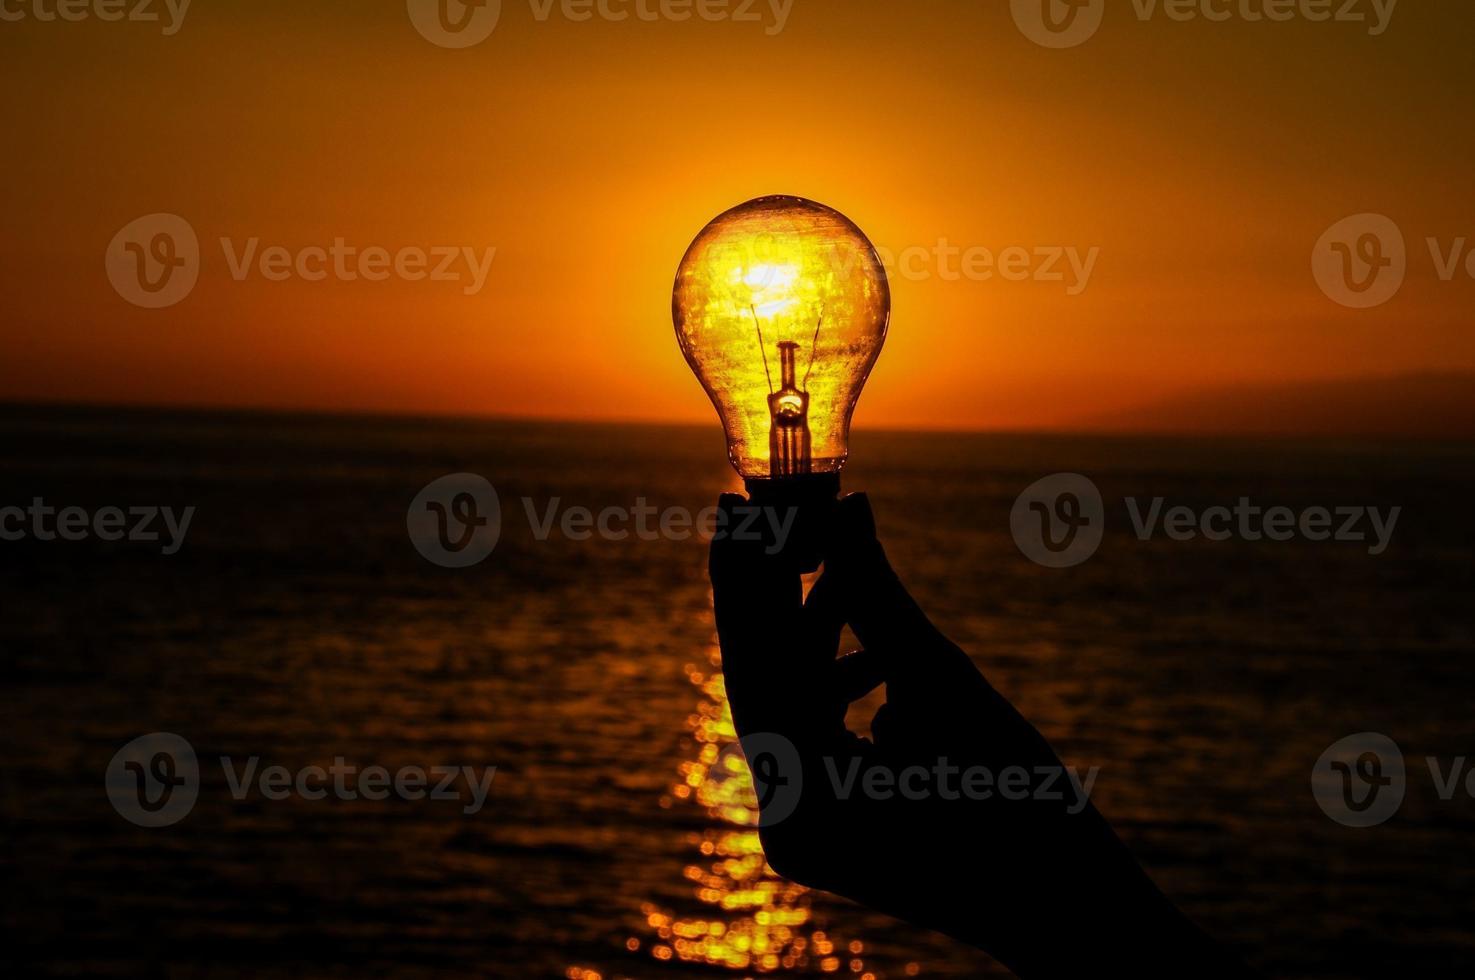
[298,624]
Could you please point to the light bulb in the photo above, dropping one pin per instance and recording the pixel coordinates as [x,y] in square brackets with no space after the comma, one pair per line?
[781,307]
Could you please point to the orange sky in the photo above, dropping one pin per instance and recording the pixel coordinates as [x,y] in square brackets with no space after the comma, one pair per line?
[1203,160]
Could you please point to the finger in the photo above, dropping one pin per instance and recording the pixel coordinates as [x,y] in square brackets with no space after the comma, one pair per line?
[906,729]
[857,674]
[884,725]
[824,620]
[923,666]
[727,562]
[758,603]
[879,608]
[751,590]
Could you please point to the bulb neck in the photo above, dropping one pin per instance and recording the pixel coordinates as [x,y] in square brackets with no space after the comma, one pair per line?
[803,505]
[797,489]
[788,421]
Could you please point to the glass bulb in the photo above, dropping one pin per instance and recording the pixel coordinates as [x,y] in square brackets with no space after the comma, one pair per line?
[781,307]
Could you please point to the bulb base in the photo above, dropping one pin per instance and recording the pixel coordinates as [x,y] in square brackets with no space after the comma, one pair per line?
[803,507]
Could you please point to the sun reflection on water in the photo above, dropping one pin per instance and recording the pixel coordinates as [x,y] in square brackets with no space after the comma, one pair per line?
[755,922]
[758,922]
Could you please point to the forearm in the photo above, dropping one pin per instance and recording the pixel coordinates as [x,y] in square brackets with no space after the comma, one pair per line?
[1161,943]
[1100,913]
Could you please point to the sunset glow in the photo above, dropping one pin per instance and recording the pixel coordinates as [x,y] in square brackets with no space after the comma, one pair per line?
[1057,248]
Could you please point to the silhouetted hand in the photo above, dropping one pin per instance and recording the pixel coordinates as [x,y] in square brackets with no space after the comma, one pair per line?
[957,815]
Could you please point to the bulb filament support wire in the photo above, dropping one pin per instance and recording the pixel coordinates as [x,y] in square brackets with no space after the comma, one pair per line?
[763,350]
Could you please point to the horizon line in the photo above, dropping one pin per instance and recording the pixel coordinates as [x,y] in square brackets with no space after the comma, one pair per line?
[9,405]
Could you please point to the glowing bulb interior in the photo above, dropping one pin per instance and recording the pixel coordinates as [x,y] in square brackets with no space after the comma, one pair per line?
[781,307]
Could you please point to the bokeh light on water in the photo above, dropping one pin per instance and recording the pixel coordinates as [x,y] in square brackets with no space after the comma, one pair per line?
[755,921]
